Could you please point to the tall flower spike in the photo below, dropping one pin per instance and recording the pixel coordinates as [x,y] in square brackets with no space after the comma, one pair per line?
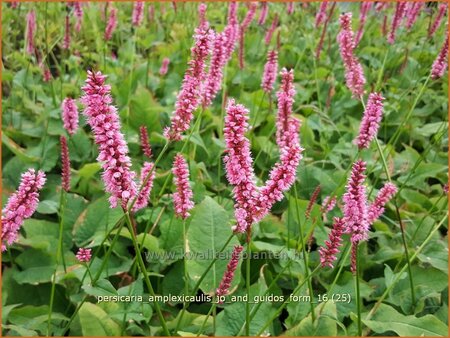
[202,14]
[263,15]
[239,165]
[78,10]
[331,249]
[66,42]
[164,67]
[228,276]
[270,71]
[328,204]
[70,115]
[396,20]
[365,7]
[413,13]
[104,120]
[354,76]
[65,164]
[145,145]
[370,121]
[145,186]
[31,30]
[182,198]
[285,97]
[355,204]
[249,16]
[321,13]
[138,13]
[377,207]
[290,8]
[440,64]
[231,31]
[312,201]
[112,23]
[270,31]
[442,9]
[21,205]
[189,96]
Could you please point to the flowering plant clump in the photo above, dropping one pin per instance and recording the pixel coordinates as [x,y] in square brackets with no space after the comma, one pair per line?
[238,168]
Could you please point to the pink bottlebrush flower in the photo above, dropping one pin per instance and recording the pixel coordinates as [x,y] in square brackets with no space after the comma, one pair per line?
[189,96]
[66,43]
[355,204]
[440,64]
[285,97]
[271,30]
[380,5]
[353,257]
[445,188]
[164,67]
[442,9]
[270,71]
[182,199]
[331,249]
[377,207]
[354,76]
[213,80]
[151,13]
[104,120]
[263,15]
[321,14]
[231,31]
[370,121]
[146,185]
[282,176]
[241,49]
[328,204]
[396,20]
[202,14]
[112,24]
[145,145]
[312,201]
[228,275]
[46,74]
[83,255]
[290,8]
[413,13]
[239,165]
[138,13]
[249,16]
[70,115]
[21,205]
[31,31]
[78,11]
[324,30]
[365,7]
[65,164]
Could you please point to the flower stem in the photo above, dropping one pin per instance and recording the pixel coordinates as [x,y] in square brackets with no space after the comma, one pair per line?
[247,288]
[358,295]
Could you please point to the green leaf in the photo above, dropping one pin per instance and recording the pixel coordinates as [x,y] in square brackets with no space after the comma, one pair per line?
[94,321]
[102,287]
[387,319]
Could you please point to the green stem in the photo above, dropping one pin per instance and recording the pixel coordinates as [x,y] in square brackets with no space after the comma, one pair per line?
[247,287]
[186,279]
[213,307]
[358,295]
[145,274]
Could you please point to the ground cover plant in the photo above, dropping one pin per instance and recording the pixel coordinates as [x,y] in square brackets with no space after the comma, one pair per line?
[227,169]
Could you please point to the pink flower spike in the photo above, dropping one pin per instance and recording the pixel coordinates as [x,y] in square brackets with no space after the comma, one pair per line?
[231,32]
[370,121]
[263,15]
[112,23]
[146,185]
[189,96]
[270,71]
[164,66]
[202,14]
[182,198]
[328,204]
[65,163]
[321,14]
[145,145]
[331,249]
[376,209]
[271,30]
[83,255]
[249,16]
[365,7]
[138,13]
[285,97]
[354,76]
[78,11]
[442,9]
[228,275]
[151,13]
[70,115]
[31,31]
[413,13]
[104,120]
[440,64]
[66,43]
[290,8]
[21,205]
[355,204]
[396,20]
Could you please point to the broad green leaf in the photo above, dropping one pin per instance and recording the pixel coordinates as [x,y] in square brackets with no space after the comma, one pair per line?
[94,321]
